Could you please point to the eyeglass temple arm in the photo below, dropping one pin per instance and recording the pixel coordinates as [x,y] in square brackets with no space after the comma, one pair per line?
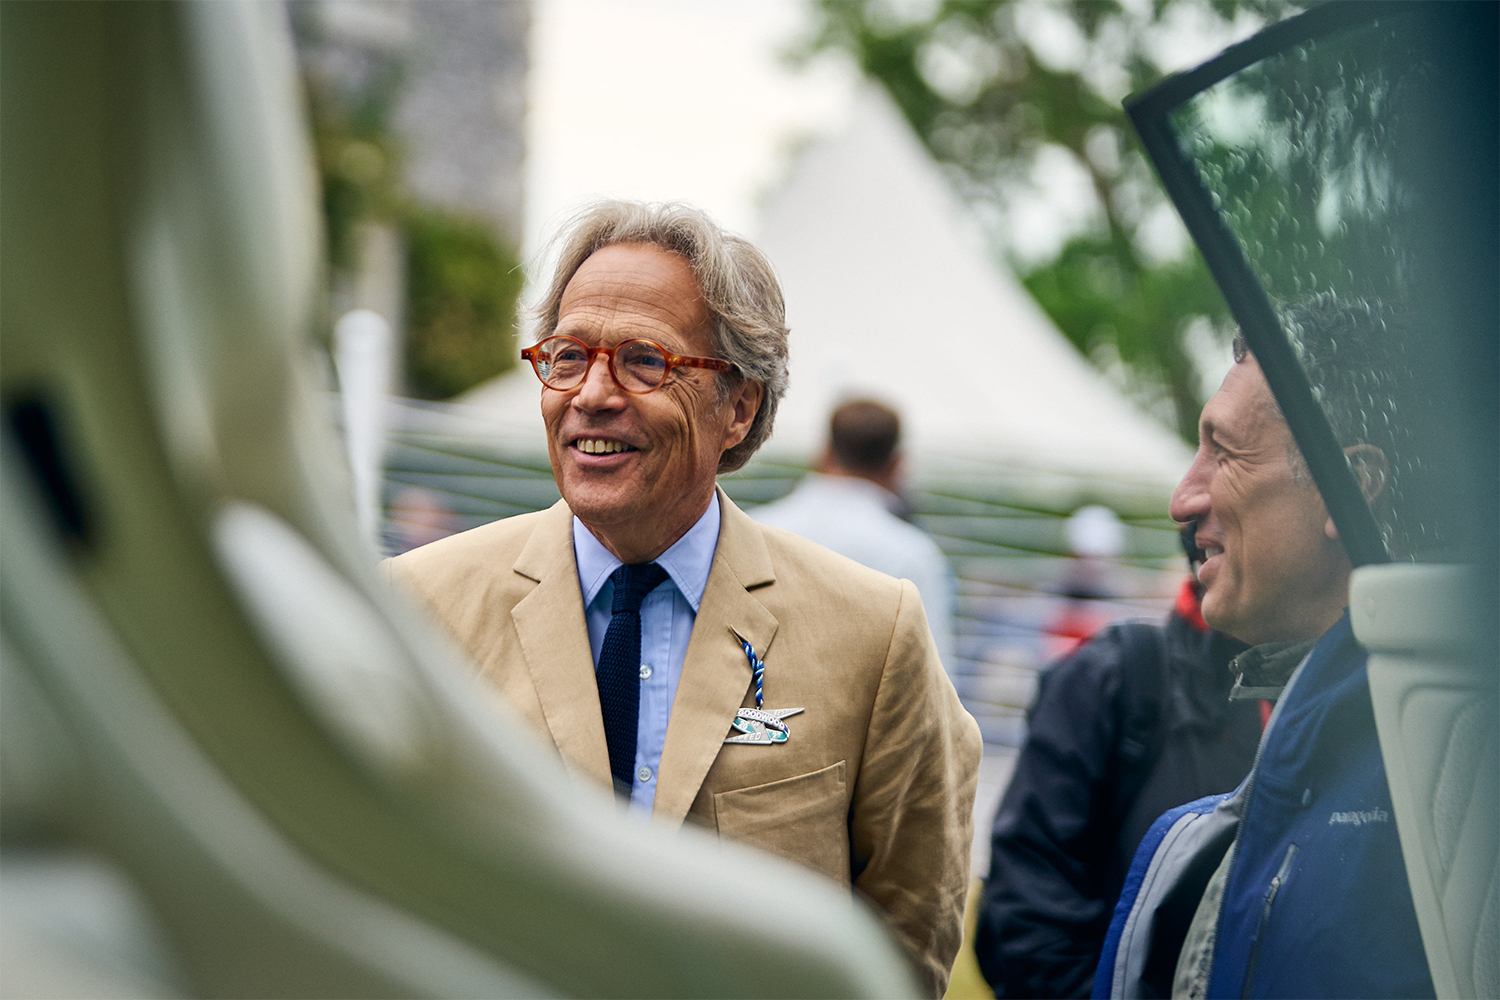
[713,363]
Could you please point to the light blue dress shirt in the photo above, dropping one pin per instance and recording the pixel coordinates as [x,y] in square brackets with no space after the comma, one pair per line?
[667,616]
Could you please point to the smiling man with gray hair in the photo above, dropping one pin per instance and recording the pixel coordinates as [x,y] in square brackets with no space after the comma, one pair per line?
[706,667]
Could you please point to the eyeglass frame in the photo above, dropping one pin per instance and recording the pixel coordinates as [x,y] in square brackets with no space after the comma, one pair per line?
[673,361]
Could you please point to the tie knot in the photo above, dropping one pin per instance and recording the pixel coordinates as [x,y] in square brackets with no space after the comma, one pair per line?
[633,583]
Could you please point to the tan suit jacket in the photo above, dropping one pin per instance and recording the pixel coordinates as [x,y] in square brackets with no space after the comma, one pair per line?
[875,784]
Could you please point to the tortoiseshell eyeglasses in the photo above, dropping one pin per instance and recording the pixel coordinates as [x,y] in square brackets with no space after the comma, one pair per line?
[637,365]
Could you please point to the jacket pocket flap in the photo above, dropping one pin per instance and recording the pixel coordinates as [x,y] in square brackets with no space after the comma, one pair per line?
[803,819]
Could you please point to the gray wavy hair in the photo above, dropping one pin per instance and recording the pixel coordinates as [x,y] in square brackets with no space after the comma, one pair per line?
[737,282]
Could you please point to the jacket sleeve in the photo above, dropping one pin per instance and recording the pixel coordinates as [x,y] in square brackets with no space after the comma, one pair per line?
[1046,907]
[911,821]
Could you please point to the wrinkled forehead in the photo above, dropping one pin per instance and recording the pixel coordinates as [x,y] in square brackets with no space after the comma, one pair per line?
[632,285]
[1245,403]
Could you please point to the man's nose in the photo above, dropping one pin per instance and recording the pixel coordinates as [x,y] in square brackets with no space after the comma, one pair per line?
[1190,499]
[598,389]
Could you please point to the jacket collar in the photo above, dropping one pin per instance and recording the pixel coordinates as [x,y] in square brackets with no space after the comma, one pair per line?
[1262,671]
[554,638]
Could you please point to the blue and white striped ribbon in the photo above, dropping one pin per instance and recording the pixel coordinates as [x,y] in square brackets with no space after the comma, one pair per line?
[759,669]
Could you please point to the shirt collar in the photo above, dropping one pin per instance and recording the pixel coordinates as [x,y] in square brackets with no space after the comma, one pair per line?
[687,562]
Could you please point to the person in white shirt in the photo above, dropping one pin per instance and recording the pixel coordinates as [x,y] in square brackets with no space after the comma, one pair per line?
[849,505]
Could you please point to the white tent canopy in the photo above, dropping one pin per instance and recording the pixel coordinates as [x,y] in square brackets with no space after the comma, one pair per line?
[889,294]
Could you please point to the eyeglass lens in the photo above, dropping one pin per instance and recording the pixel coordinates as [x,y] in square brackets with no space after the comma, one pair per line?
[638,365]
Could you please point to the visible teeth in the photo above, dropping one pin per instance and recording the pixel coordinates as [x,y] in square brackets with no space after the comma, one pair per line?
[597,446]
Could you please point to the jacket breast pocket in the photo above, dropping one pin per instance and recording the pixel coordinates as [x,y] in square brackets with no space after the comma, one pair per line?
[804,819]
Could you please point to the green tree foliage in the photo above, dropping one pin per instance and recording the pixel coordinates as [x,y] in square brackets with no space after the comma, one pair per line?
[358,164]
[461,288]
[1305,177]
[463,281]
[997,100]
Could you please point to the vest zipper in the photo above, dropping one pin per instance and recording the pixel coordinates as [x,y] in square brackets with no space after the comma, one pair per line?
[1265,916]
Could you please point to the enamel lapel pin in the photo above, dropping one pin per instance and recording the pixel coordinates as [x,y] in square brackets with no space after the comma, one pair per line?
[759,726]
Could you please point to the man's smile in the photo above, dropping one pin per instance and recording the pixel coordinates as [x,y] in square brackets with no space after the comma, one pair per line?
[1213,552]
[601,446]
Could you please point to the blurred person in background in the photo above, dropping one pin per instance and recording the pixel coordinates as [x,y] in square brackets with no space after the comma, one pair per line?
[703,665]
[1096,538]
[1296,885]
[419,516]
[1133,722]
[851,504]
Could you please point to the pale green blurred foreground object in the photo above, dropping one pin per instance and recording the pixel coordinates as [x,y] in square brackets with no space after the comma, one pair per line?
[232,765]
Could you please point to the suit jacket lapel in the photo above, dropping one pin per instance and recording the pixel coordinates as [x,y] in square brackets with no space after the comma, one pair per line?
[555,639]
[715,673]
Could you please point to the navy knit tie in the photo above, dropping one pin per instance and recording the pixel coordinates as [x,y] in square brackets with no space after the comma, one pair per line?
[619,673]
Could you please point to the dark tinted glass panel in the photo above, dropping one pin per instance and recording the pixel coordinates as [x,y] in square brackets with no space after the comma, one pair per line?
[1299,155]
[1307,157]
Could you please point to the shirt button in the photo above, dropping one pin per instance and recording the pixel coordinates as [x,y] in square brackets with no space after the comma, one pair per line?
[644,773]
[645,670]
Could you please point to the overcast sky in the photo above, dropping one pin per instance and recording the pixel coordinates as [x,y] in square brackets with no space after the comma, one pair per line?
[690,100]
[669,99]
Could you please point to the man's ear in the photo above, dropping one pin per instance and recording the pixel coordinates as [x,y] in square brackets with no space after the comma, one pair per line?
[744,404]
[1371,471]
[1370,468]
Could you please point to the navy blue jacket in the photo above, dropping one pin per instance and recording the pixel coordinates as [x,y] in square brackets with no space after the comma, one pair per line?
[1072,817]
[1316,902]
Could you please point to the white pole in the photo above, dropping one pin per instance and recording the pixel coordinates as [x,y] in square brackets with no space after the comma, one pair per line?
[363,354]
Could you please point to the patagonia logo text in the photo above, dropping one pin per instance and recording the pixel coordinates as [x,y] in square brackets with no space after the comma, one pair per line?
[1360,817]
